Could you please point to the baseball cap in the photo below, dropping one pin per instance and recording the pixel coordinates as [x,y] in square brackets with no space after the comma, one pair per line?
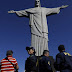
[28,48]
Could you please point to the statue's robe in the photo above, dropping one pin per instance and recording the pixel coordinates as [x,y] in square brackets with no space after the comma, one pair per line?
[38,25]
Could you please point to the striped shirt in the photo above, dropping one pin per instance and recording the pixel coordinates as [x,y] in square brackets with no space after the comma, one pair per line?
[6,66]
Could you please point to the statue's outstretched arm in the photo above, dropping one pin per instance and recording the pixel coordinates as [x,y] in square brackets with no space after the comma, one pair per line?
[11,11]
[21,13]
[51,11]
[63,6]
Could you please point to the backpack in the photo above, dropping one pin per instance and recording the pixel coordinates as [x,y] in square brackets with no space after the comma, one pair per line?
[68,60]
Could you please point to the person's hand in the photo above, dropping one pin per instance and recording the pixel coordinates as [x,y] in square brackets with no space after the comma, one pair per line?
[11,11]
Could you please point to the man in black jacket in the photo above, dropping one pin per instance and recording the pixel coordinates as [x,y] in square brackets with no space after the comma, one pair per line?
[63,60]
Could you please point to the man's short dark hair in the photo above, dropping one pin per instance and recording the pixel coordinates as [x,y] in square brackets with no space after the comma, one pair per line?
[9,52]
[45,51]
[61,47]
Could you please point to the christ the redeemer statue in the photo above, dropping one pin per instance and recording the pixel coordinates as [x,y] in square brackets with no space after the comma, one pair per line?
[38,24]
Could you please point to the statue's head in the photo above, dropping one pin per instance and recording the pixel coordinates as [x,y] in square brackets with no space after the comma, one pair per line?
[37,3]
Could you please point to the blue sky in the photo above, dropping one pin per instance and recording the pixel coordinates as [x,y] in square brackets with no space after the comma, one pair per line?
[15,31]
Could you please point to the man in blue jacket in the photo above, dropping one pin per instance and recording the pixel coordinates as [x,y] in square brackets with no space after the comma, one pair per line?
[63,60]
[45,63]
